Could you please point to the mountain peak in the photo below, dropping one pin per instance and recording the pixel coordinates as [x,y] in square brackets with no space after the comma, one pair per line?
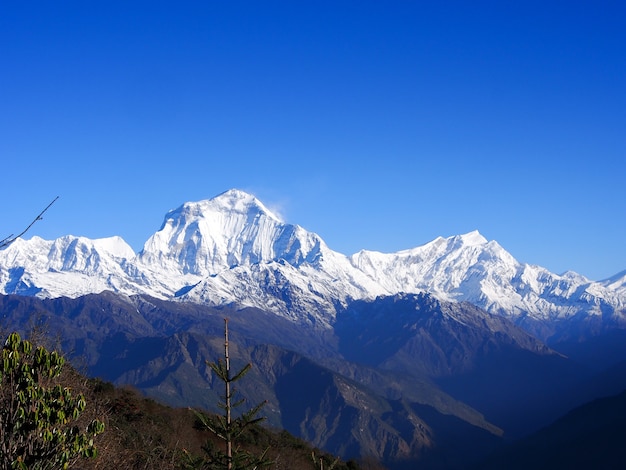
[236,200]
[471,238]
[218,234]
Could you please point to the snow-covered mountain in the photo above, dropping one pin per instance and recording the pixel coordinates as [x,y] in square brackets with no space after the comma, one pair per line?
[470,268]
[232,250]
[68,266]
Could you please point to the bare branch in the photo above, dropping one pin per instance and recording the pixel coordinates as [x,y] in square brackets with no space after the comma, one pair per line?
[10,239]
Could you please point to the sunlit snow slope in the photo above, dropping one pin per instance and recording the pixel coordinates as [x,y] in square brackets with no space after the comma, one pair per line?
[232,250]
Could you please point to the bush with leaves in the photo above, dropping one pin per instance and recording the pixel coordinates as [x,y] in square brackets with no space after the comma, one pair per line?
[38,414]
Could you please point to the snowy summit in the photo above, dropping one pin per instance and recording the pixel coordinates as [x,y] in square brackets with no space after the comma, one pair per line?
[232,250]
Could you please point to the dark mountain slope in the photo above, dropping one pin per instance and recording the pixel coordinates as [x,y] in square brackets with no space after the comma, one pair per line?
[138,343]
[321,406]
[335,412]
[590,436]
[481,359]
[406,378]
[599,352]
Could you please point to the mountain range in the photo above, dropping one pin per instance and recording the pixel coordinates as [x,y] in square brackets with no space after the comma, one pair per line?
[232,250]
[437,354]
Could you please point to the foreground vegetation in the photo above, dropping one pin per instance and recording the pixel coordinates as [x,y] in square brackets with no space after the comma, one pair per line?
[143,434]
[40,414]
[91,424]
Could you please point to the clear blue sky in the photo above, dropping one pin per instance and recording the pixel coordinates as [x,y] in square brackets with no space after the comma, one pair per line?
[377,125]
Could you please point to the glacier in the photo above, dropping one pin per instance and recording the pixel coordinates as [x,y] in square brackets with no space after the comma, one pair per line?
[232,250]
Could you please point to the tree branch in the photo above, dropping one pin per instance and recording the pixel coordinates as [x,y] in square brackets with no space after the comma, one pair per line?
[10,239]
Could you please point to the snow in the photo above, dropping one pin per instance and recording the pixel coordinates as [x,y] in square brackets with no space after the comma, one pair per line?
[616,282]
[232,250]
[472,238]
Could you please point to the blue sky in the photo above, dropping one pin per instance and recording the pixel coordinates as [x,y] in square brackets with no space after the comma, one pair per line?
[377,125]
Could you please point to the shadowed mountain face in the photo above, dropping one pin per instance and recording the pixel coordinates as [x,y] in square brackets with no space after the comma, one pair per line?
[590,436]
[406,378]
[479,358]
[446,338]
[339,406]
